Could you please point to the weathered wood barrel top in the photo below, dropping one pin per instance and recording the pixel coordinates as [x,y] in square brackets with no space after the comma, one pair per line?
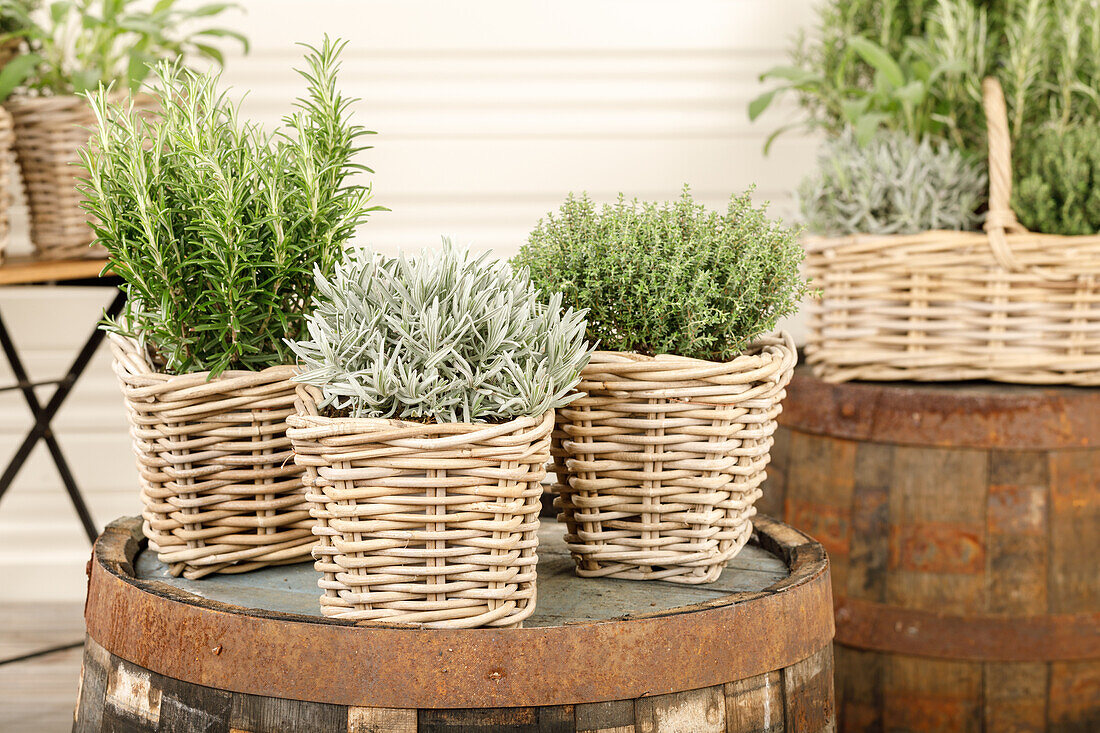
[252,652]
[962,522]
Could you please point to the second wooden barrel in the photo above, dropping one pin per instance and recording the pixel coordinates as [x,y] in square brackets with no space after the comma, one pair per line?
[963,527]
[750,652]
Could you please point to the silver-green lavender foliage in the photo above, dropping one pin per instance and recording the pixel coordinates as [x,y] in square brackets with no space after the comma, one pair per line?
[443,335]
[891,185]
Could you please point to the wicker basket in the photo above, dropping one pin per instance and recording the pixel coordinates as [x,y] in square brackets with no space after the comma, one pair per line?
[1008,305]
[220,489]
[7,179]
[427,524]
[660,464]
[49,134]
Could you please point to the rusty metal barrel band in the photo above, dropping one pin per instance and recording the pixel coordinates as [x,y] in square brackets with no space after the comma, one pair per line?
[310,658]
[971,415]
[987,638]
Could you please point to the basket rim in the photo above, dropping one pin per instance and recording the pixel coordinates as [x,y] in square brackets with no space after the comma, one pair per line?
[777,338]
[314,426]
[130,347]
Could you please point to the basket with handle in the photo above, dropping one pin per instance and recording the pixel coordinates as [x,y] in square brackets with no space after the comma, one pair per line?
[1006,305]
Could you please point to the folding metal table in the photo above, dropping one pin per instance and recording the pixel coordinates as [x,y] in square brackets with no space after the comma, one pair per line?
[30,271]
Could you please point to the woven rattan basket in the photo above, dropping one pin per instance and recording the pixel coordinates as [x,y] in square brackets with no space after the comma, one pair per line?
[428,524]
[49,134]
[660,464]
[1007,305]
[220,488]
[7,179]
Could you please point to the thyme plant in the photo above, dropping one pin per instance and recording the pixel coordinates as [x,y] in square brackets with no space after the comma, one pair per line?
[443,336]
[669,277]
[215,226]
[892,185]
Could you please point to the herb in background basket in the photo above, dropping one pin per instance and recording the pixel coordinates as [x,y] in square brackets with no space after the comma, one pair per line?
[1057,187]
[669,278]
[923,75]
[892,185]
[215,226]
[442,336]
[82,44]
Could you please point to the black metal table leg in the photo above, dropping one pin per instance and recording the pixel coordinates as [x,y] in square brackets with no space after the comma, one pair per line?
[44,416]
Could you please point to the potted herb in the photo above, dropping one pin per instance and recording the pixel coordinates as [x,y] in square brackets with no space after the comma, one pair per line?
[76,48]
[424,414]
[913,97]
[660,462]
[216,228]
[15,24]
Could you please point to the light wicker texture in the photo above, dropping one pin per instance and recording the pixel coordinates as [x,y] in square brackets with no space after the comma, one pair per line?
[219,486]
[8,181]
[1007,305]
[427,524]
[660,464]
[49,134]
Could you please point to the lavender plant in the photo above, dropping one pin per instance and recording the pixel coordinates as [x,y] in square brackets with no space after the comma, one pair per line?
[669,278]
[443,335]
[892,185]
[215,226]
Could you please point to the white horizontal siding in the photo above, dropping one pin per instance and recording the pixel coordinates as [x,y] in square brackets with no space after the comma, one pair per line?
[488,113]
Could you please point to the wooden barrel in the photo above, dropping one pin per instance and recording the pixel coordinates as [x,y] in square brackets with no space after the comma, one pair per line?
[751,652]
[963,527]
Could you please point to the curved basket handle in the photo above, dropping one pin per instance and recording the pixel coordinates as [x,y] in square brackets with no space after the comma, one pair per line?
[1001,219]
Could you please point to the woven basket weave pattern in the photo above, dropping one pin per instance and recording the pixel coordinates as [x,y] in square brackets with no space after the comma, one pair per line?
[7,179]
[219,485]
[660,465]
[429,524]
[1007,305]
[49,134]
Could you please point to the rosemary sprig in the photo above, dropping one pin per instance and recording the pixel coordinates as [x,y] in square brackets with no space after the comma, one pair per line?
[215,226]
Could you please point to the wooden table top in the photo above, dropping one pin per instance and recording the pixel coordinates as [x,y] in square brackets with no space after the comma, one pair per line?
[30,270]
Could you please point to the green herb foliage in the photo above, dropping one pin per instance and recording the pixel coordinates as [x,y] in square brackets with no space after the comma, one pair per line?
[1057,187]
[917,66]
[891,185]
[216,226]
[442,336]
[669,278]
[81,45]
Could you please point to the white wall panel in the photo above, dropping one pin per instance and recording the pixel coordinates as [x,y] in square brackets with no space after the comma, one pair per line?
[488,113]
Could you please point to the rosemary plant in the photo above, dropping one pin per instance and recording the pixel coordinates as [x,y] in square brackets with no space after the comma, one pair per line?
[892,185]
[1057,188]
[442,336]
[669,278]
[215,226]
[917,66]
